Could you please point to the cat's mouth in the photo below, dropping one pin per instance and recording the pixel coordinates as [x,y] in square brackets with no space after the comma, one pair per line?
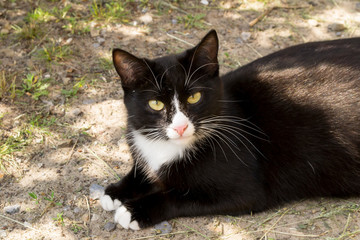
[183,140]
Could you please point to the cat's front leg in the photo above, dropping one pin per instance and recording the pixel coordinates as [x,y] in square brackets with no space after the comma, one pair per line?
[131,187]
[143,212]
[160,206]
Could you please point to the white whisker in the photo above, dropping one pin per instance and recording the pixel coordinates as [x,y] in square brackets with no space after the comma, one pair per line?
[196,81]
[157,84]
[192,74]
[162,76]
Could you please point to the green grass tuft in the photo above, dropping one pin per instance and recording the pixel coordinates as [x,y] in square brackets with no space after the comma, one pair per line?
[34,86]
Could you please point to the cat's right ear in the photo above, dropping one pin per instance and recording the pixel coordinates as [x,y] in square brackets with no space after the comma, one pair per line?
[129,67]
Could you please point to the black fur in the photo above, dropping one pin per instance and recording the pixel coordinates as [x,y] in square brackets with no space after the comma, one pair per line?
[297,119]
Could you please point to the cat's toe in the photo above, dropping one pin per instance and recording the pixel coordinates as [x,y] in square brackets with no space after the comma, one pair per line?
[123,217]
[108,204]
[134,225]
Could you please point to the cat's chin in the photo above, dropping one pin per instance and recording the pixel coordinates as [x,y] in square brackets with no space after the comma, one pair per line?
[184,141]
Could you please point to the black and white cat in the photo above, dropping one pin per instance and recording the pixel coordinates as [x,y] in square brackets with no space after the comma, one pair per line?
[282,128]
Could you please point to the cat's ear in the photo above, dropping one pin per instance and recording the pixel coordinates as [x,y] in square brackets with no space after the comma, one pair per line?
[130,68]
[206,52]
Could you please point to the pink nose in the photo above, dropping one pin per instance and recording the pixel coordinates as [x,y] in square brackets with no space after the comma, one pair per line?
[181,129]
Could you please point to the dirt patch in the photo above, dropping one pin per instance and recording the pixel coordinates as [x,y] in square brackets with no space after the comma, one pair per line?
[62,119]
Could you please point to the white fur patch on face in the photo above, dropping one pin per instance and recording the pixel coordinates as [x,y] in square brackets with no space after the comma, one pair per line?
[157,152]
[181,129]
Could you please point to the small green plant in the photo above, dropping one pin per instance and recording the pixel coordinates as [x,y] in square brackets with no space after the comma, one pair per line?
[28,31]
[32,28]
[144,3]
[59,219]
[75,228]
[191,21]
[51,199]
[40,120]
[34,86]
[38,15]
[11,144]
[115,10]
[76,27]
[54,52]
[74,90]
[60,13]
[34,197]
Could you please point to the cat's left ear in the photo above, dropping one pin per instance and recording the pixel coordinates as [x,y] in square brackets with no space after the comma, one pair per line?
[130,68]
[205,54]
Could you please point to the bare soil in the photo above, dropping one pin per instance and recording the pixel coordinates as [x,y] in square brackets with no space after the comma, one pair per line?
[71,141]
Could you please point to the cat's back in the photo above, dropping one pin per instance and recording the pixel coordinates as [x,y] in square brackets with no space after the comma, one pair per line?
[306,98]
[305,63]
[321,74]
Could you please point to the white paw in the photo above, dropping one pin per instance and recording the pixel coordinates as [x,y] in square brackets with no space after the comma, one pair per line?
[108,204]
[123,217]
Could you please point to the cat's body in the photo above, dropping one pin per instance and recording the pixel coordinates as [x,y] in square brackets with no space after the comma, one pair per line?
[284,127]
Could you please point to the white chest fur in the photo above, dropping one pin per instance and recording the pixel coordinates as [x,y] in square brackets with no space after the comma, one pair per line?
[157,152]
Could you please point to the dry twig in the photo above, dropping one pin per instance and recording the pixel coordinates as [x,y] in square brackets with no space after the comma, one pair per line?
[97,157]
[22,224]
[72,151]
[180,40]
[267,11]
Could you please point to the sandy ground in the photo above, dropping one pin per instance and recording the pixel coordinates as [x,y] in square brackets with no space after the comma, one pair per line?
[85,143]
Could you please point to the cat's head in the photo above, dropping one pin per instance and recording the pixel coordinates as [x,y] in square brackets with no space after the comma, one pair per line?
[168,98]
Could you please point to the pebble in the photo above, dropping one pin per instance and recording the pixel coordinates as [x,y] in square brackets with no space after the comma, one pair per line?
[96,191]
[110,226]
[174,21]
[27,224]
[66,208]
[40,165]
[80,169]
[100,40]
[239,40]
[313,22]
[336,27]
[12,209]
[88,101]
[204,2]
[245,36]
[76,112]
[163,227]
[68,41]
[312,3]
[95,217]
[146,18]
[76,210]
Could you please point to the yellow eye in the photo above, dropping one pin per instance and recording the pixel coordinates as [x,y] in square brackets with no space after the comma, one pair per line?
[156,105]
[194,98]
